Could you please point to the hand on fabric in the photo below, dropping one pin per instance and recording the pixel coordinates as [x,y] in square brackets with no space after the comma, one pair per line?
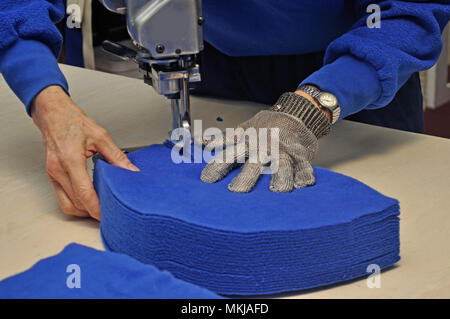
[298,132]
[70,138]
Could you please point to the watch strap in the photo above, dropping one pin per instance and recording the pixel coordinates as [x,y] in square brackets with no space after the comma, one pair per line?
[299,107]
[315,93]
[310,90]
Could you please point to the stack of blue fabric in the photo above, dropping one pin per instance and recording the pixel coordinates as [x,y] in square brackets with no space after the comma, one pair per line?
[83,272]
[244,244]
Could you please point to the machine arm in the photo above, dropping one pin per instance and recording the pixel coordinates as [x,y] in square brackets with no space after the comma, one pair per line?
[168,36]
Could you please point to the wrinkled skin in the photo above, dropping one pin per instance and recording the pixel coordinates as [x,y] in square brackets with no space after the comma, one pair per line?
[70,138]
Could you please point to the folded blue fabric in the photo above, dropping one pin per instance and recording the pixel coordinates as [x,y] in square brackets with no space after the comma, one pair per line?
[244,244]
[101,275]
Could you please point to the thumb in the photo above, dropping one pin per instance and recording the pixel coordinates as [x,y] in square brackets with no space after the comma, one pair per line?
[114,155]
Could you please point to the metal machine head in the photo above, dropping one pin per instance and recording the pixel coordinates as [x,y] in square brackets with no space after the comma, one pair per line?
[168,36]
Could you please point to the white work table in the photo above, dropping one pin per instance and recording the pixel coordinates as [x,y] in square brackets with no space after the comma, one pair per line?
[413,168]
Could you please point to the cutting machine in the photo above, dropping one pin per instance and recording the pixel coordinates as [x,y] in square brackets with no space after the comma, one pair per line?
[168,37]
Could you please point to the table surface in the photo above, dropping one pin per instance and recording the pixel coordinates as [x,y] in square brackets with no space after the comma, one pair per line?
[411,167]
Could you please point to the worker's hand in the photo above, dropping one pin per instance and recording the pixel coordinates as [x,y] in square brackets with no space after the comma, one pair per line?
[298,143]
[70,138]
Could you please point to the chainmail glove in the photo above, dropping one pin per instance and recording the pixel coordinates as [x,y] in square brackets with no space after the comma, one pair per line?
[300,124]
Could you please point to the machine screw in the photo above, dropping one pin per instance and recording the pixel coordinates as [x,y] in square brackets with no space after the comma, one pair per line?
[201,20]
[160,48]
[178,51]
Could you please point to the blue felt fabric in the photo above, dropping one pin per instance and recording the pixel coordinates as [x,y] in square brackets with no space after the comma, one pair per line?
[102,274]
[240,244]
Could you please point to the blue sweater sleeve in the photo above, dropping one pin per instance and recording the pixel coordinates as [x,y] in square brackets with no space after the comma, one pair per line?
[366,67]
[29,45]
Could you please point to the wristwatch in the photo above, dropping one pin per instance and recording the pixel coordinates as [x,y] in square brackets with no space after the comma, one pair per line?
[303,109]
[326,101]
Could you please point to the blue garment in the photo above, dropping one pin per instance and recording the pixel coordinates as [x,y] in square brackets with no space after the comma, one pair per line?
[243,78]
[404,112]
[364,67]
[102,275]
[74,47]
[244,244]
[29,45]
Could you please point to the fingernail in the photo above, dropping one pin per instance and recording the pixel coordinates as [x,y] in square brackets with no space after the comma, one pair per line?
[131,167]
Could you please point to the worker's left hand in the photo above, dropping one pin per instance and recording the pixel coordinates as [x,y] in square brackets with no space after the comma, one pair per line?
[298,144]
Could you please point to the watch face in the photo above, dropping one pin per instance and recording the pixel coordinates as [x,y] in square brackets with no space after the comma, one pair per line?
[328,100]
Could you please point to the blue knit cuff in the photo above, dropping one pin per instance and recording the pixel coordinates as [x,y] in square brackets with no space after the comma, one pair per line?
[28,67]
[354,82]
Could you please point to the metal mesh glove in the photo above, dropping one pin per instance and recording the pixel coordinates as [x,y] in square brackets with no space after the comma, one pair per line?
[299,125]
